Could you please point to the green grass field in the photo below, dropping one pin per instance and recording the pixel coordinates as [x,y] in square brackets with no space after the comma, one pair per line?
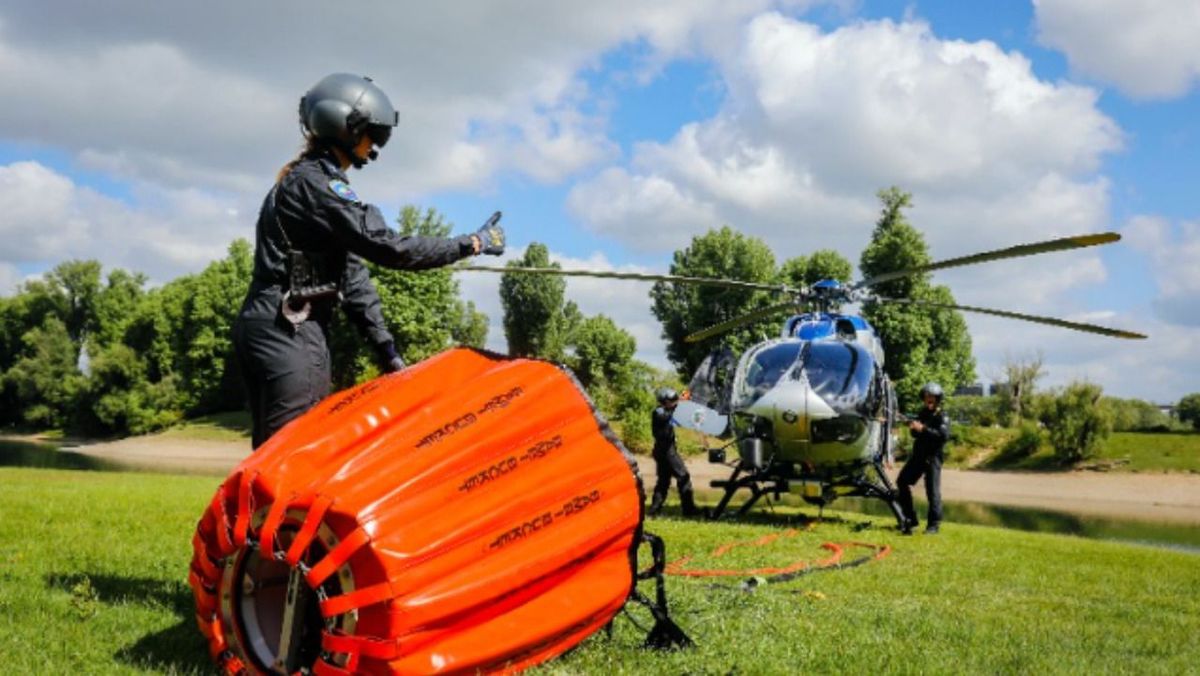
[93,566]
[1121,451]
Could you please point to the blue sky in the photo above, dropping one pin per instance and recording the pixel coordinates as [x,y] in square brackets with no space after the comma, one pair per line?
[616,133]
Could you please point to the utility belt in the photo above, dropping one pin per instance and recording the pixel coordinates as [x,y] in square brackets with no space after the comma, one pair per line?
[311,276]
[308,282]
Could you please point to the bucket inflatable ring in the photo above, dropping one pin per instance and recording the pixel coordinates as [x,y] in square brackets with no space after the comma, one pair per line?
[470,514]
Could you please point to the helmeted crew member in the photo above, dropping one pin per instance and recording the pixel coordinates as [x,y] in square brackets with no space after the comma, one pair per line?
[667,462]
[930,432]
[312,237]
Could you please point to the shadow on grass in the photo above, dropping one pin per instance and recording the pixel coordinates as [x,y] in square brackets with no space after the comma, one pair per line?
[178,649]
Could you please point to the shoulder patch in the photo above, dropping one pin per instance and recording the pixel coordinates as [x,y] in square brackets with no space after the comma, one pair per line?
[343,190]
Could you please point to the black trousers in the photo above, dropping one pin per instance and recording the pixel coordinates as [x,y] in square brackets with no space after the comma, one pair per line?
[668,464]
[285,368]
[929,466]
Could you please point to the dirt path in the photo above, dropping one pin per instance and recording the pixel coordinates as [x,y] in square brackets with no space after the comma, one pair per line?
[1150,497]
[1171,498]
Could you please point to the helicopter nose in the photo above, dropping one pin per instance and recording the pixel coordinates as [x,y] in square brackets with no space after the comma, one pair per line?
[815,407]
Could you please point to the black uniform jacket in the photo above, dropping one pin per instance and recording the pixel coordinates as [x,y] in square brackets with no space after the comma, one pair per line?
[315,209]
[930,441]
[663,430]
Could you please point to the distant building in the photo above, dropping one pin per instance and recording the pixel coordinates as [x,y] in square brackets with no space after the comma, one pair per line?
[973,390]
[1167,409]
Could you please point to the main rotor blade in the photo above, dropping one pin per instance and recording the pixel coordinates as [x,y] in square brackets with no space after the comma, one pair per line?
[740,320]
[1052,321]
[1064,244]
[637,276]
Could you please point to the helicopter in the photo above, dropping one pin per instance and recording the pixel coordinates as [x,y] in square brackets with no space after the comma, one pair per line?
[812,411]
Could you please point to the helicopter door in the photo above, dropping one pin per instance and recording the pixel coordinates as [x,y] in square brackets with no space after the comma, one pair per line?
[706,408]
[713,381]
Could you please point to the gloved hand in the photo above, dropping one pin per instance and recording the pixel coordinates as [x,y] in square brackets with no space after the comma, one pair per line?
[389,360]
[491,236]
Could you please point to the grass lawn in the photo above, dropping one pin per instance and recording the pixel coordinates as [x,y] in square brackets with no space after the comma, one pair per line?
[1121,451]
[93,565]
[226,426]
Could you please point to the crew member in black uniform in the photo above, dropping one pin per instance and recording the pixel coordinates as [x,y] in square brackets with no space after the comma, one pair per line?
[312,237]
[667,462]
[930,431]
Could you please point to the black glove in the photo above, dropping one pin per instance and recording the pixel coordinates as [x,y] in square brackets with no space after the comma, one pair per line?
[389,360]
[491,236]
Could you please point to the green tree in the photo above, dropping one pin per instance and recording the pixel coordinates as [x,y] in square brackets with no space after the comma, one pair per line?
[1078,424]
[921,343]
[119,398]
[421,309]
[603,352]
[804,271]
[683,309]
[1022,375]
[1188,410]
[536,320]
[114,306]
[78,282]
[46,380]
[472,326]
[183,331]
[1129,415]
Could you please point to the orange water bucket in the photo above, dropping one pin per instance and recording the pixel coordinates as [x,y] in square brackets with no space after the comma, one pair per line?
[471,513]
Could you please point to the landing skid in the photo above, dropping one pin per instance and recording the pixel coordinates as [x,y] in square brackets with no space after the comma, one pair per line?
[765,481]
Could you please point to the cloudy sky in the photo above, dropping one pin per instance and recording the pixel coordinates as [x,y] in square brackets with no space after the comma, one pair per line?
[144,134]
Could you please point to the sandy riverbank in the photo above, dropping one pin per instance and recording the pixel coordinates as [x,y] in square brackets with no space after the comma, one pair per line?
[1171,498]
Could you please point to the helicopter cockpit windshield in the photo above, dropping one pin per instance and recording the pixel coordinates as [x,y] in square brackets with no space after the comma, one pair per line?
[764,366]
[842,373]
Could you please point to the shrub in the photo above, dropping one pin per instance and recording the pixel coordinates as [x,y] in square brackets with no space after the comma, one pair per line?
[1078,424]
[1024,444]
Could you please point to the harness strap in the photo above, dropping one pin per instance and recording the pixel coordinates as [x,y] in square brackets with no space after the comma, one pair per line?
[270,525]
[245,507]
[334,559]
[308,531]
[366,646]
[221,523]
[342,603]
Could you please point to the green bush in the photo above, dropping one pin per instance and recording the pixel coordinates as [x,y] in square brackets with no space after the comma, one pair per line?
[1078,424]
[974,410]
[1024,444]
[1188,410]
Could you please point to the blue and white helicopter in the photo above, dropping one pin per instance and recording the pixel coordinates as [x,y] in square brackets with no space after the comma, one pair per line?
[812,411]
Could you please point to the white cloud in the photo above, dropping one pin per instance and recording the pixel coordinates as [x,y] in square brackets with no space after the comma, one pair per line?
[1147,48]
[815,122]
[1161,369]
[1174,252]
[46,218]
[192,95]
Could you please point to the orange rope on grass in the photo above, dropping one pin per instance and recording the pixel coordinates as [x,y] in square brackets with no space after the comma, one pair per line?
[679,567]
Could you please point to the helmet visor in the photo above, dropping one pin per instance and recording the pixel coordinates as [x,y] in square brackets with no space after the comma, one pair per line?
[379,134]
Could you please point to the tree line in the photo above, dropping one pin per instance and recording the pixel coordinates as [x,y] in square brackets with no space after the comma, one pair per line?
[110,354]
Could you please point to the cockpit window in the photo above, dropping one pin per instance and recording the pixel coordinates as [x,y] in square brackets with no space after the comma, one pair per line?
[841,373]
[763,369]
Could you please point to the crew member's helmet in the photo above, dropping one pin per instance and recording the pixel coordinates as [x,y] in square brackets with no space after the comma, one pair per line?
[342,107]
[666,395]
[934,390]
